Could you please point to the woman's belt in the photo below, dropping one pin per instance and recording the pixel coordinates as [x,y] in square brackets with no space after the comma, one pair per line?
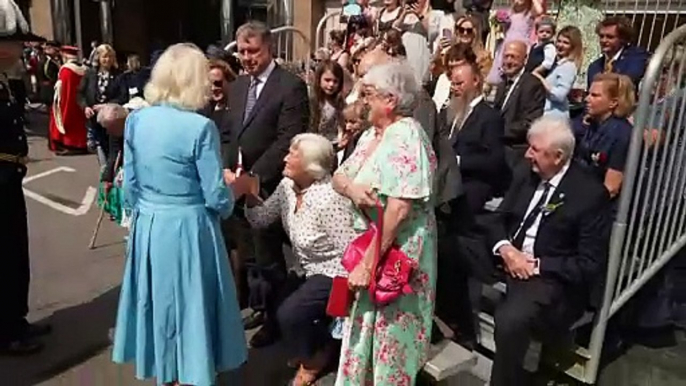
[17,159]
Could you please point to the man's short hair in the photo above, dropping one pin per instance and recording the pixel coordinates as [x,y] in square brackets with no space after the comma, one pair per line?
[625,29]
[253,29]
[557,131]
[460,52]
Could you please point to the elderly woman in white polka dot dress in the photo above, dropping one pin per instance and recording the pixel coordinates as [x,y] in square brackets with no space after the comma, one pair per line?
[318,222]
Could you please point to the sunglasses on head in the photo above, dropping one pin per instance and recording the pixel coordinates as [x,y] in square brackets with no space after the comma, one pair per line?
[464,31]
[218,83]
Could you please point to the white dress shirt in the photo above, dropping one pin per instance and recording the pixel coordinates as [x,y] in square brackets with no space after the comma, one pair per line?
[263,78]
[454,127]
[514,84]
[530,236]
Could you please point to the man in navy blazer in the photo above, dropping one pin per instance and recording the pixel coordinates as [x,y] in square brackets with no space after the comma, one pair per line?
[620,56]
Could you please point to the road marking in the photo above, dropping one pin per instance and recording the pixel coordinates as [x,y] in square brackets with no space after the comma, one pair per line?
[47,173]
[86,202]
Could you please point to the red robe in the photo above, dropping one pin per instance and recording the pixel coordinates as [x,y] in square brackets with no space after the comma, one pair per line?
[67,119]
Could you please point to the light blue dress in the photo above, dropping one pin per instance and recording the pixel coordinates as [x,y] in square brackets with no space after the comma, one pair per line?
[561,80]
[178,316]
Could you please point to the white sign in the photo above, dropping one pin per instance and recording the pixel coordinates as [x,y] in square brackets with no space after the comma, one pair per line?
[86,202]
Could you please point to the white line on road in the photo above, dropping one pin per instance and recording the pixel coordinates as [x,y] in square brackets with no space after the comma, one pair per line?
[47,173]
[86,202]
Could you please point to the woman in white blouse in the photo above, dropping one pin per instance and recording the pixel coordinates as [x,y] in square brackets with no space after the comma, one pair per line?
[318,222]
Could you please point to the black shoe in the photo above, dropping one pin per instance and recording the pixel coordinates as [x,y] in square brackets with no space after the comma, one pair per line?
[21,347]
[253,320]
[266,336]
[436,334]
[36,330]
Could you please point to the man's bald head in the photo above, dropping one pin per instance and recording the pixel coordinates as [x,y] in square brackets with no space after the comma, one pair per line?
[514,57]
[374,58]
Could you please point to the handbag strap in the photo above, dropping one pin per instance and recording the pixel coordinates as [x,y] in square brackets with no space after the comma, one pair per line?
[377,251]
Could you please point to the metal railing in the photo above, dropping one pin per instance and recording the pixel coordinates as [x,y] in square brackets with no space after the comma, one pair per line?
[650,226]
[329,22]
[283,44]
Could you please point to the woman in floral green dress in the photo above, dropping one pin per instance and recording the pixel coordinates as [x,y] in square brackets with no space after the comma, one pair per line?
[394,163]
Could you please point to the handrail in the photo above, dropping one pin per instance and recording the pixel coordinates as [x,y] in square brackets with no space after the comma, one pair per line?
[232,45]
[631,174]
[320,27]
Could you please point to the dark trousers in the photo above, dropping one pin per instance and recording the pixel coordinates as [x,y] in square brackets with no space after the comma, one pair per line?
[14,264]
[535,305]
[303,320]
[453,305]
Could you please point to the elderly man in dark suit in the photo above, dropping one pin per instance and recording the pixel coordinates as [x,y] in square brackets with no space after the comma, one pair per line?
[551,232]
[268,106]
[520,98]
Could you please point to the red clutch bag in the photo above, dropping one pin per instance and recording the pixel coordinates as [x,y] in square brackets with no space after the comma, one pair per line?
[340,298]
[390,273]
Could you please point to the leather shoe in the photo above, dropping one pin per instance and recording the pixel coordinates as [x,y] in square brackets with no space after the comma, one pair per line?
[22,347]
[35,330]
[266,336]
[253,320]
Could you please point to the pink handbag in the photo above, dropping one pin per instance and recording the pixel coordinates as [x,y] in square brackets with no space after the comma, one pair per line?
[390,272]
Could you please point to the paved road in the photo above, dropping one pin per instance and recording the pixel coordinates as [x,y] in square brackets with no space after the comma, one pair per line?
[76,290]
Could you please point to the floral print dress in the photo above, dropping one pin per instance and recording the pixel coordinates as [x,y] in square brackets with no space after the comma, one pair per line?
[387,346]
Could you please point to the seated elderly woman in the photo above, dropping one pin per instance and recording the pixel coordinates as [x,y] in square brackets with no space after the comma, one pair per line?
[318,222]
[393,163]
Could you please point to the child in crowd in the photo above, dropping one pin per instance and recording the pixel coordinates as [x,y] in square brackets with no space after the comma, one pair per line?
[523,13]
[543,53]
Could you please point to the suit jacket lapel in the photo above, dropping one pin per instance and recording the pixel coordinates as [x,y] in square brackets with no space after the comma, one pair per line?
[513,93]
[528,191]
[465,124]
[241,94]
[265,95]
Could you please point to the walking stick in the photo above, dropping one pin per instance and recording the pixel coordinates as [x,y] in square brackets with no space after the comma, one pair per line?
[102,209]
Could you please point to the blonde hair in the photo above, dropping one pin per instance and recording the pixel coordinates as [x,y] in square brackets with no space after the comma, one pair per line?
[106,49]
[477,43]
[621,88]
[180,78]
[575,39]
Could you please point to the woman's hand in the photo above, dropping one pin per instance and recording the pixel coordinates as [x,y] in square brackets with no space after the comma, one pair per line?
[229,176]
[359,278]
[361,195]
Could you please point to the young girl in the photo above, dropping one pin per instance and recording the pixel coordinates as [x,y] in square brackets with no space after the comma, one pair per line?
[522,16]
[327,102]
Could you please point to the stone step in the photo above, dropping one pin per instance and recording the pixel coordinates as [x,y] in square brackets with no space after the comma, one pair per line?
[447,359]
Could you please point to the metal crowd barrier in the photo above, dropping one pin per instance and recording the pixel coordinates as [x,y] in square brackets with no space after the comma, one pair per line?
[329,22]
[650,228]
[283,44]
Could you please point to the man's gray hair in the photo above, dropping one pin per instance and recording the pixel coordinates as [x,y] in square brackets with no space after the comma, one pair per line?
[253,29]
[557,132]
[111,112]
[318,154]
[395,78]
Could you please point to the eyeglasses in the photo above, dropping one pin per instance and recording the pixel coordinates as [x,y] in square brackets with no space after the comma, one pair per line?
[464,31]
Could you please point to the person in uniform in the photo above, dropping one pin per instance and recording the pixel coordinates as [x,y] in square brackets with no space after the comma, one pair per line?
[17,336]
[48,71]
[67,121]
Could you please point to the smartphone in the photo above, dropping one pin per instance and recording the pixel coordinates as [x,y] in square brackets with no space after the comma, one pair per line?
[447,34]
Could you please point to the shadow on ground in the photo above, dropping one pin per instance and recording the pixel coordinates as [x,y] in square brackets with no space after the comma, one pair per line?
[79,333]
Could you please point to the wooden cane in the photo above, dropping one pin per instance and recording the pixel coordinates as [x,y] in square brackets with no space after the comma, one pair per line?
[102,209]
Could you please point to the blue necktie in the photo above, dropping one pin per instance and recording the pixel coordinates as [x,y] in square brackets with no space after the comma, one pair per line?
[252,98]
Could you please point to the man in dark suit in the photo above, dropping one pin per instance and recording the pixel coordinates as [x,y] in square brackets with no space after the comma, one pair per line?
[520,99]
[268,106]
[476,136]
[551,232]
[620,56]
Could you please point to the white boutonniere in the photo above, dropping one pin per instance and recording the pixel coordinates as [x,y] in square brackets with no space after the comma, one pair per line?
[551,207]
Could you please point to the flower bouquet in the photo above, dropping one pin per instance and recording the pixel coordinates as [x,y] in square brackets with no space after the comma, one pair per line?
[499,23]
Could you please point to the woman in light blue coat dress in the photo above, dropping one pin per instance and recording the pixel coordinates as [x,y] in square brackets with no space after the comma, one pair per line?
[560,79]
[178,316]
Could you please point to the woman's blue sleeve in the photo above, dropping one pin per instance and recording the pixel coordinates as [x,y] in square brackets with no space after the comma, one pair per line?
[218,197]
